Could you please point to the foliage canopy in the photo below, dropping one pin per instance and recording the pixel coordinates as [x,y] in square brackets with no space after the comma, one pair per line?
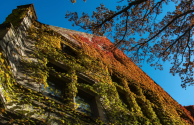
[169,38]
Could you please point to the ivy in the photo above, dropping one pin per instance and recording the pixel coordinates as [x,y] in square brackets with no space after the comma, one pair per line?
[98,59]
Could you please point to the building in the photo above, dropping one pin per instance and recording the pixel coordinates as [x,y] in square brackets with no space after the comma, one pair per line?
[52,75]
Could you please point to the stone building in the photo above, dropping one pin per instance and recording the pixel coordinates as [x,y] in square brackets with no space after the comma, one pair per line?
[53,75]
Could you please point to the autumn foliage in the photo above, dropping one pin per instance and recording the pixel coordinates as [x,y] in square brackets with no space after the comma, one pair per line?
[100,60]
[122,66]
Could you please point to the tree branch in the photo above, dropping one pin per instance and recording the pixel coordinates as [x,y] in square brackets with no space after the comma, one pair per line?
[188,30]
[187,66]
[124,10]
[125,31]
[190,11]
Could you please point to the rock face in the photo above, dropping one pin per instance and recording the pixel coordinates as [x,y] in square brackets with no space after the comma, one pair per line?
[190,108]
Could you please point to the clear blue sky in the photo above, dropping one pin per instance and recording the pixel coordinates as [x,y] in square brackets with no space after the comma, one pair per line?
[52,12]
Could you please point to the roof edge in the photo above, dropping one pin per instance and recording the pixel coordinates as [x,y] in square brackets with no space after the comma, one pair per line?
[30,5]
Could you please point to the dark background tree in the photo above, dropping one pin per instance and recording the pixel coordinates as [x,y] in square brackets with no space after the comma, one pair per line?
[169,39]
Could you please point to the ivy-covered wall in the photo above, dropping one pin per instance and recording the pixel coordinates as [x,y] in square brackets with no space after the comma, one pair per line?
[98,59]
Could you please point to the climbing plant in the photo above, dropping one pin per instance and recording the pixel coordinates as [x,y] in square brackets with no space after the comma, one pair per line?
[148,102]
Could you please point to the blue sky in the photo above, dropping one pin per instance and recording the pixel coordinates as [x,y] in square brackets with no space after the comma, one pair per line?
[53,12]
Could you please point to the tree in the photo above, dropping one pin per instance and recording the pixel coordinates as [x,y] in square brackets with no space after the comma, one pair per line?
[169,39]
